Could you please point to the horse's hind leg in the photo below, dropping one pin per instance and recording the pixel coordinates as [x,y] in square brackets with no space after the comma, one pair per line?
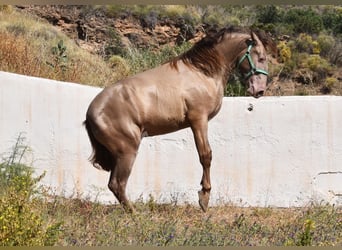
[119,177]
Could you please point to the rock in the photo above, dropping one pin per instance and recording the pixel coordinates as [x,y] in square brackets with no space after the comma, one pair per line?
[93,28]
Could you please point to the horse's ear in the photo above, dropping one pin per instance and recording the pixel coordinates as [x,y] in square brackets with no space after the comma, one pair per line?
[255,38]
[266,40]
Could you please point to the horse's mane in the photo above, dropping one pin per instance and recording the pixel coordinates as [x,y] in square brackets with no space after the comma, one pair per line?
[205,57]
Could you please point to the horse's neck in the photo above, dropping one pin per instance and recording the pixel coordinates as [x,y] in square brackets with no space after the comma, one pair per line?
[231,49]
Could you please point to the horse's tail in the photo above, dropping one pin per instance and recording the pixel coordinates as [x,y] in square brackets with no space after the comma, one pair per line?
[101,158]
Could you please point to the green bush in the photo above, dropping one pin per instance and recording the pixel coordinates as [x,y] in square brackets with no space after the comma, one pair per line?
[303,43]
[115,45]
[326,44]
[304,20]
[120,66]
[235,87]
[316,63]
[21,219]
[332,19]
[268,14]
[143,59]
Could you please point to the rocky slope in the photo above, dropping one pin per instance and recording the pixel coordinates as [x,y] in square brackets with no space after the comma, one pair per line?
[93,29]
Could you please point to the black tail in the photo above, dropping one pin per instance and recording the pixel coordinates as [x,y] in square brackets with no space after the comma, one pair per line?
[101,158]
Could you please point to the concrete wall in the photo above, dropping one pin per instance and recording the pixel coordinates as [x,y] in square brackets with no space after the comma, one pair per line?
[287,151]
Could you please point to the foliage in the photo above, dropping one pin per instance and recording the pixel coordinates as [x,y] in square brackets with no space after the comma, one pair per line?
[235,87]
[332,19]
[21,221]
[329,84]
[268,14]
[143,59]
[303,43]
[326,44]
[284,52]
[115,45]
[60,58]
[120,66]
[304,20]
[316,64]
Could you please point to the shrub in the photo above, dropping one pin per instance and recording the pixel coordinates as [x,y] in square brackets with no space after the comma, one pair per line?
[235,87]
[120,66]
[284,52]
[313,69]
[332,19]
[21,220]
[115,45]
[304,20]
[316,63]
[327,87]
[303,43]
[143,59]
[316,48]
[59,62]
[326,44]
[335,55]
[268,14]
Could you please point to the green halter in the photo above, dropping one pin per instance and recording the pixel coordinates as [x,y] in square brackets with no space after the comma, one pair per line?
[253,70]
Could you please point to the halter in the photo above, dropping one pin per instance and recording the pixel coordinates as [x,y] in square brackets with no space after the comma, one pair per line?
[253,70]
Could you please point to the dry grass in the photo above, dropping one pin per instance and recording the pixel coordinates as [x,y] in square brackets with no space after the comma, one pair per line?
[92,224]
[26,48]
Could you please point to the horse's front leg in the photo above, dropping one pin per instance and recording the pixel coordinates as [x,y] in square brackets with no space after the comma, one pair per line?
[200,131]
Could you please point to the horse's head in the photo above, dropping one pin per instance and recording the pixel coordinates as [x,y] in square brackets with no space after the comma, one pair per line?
[252,64]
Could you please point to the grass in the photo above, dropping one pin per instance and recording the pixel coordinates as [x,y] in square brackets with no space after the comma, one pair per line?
[31,216]
[87,223]
[28,47]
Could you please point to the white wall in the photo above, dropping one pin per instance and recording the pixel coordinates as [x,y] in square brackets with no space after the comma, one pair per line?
[287,151]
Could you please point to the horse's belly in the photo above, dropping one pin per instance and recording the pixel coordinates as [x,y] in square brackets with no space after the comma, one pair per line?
[162,125]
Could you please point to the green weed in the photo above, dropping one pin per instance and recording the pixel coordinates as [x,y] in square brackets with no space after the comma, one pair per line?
[21,221]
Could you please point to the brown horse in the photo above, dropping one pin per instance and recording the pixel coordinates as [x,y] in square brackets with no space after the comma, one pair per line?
[184,92]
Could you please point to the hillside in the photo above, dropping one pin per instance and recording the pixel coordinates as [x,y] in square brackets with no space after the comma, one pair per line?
[127,39]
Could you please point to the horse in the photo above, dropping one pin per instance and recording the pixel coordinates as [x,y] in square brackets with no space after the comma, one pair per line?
[186,91]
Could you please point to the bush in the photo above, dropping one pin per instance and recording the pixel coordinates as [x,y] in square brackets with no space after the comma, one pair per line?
[316,63]
[120,66]
[268,14]
[284,52]
[21,220]
[329,84]
[303,43]
[332,19]
[235,87]
[335,55]
[326,44]
[304,20]
[143,59]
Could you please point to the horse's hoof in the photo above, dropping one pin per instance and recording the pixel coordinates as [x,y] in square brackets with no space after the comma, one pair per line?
[203,200]
[128,208]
